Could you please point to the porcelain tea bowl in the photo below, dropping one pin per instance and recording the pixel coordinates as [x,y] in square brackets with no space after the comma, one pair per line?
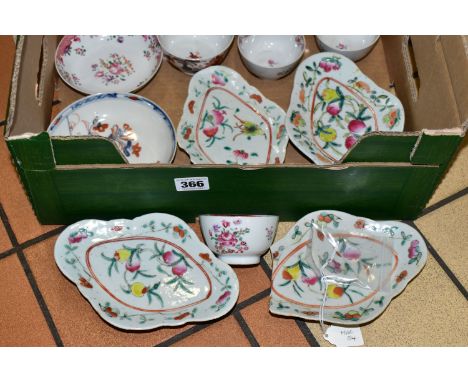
[271,57]
[99,64]
[353,47]
[239,239]
[139,129]
[191,53]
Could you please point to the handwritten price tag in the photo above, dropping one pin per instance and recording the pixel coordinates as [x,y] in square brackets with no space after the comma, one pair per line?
[192,184]
[339,336]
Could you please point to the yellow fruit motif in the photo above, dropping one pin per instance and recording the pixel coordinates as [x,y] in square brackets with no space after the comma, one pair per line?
[334,291]
[328,134]
[292,273]
[122,255]
[138,289]
[329,95]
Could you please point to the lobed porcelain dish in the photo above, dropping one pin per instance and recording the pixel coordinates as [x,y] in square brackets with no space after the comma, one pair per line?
[298,288]
[333,104]
[191,53]
[139,128]
[271,57]
[146,273]
[239,239]
[227,121]
[353,47]
[98,64]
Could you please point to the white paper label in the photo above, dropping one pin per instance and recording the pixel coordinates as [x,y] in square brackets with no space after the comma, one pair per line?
[339,336]
[192,184]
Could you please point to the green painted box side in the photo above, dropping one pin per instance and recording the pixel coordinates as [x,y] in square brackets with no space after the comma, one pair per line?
[395,188]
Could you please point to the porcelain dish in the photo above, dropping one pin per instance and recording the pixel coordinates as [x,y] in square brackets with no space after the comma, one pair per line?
[353,47]
[98,64]
[239,239]
[227,121]
[271,57]
[333,104]
[191,53]
[139,128]
[145,273]
[298,288]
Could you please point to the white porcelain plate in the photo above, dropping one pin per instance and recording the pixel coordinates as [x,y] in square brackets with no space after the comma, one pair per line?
[138,127]
[333,104]
[389,252]
[97,64]
[227,121]
[145,273]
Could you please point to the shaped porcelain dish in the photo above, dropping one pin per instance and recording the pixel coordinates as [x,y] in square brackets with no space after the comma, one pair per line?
[145,273]
[227,121]
[98,64]
[271,57]
[333,104]
[138,127]
[297,290]
[191,53]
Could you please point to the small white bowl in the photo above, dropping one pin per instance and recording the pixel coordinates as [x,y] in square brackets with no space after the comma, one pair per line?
[138,127]
[99,64]
[271,57]
[353,47]
[239,239]
[192,53]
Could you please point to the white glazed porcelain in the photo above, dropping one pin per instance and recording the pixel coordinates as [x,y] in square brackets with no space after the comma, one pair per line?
[227,121]
[353,47]
[98,64]
[239,239]
[297,285]
[271,57]
[333,104]
[191,53]
[145,273]
[138,127]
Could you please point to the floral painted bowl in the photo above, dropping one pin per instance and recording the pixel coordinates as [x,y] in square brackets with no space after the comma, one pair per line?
[353,47]
[333,104]
[271,57]
[139,128]
[146,273]
[192,53]
[239,239]
[227,121]
[397,251]
[97,64]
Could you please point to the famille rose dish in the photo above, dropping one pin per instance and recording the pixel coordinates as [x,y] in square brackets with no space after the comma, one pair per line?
[297,285]
[97,64]
[191,53]
[138,127]
[333,104]
[271,57]
[145,273]
[227,121]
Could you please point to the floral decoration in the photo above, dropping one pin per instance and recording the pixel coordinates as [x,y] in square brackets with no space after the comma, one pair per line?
[229,238]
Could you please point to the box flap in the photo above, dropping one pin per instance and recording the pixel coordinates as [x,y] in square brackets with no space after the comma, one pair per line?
[35,86]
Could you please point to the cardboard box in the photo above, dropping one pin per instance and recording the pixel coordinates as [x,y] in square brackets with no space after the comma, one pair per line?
[385,176]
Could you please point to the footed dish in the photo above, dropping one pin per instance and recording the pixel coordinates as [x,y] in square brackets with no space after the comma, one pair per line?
[333,104]
[145,273]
